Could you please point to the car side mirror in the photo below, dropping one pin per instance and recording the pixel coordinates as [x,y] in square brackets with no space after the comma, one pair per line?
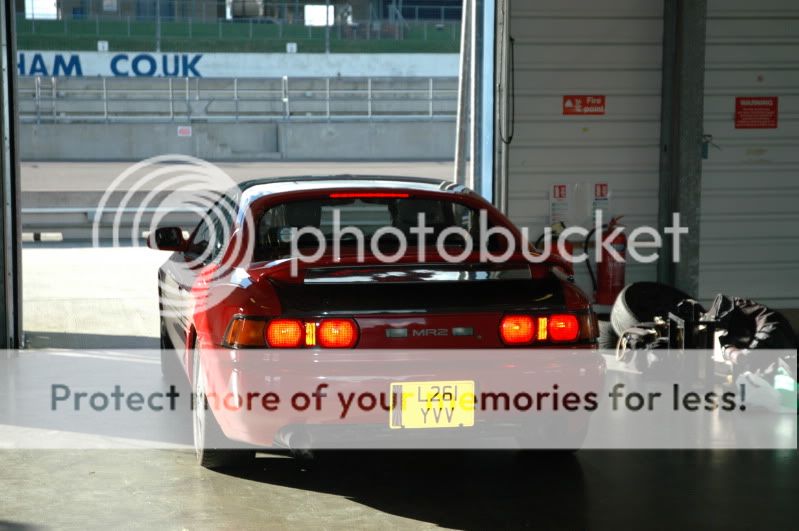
[167,239]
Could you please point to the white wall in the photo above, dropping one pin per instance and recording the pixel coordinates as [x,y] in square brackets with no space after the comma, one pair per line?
[389,140]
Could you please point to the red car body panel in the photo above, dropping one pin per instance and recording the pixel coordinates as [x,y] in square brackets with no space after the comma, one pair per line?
[267,290]
[363,372]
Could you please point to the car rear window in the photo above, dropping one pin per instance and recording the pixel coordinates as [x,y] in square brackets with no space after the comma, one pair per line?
[365,214]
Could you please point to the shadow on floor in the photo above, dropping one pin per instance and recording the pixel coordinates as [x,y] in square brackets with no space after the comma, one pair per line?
[589,490]
[454,489]
[38,340]
[5,525]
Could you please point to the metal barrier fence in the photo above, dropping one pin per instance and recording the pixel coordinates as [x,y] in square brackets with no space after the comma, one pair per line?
[235,29]
[287,11]
[148,33]
[112,99]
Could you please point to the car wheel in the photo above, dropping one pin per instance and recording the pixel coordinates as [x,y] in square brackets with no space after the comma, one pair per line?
[171,369]
[209,440]
[641,302]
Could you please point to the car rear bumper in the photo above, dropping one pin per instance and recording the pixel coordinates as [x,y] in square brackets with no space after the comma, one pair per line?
[308,390]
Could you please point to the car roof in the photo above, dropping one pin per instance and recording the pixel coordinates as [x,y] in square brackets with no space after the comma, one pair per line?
[259,187]
[249,191]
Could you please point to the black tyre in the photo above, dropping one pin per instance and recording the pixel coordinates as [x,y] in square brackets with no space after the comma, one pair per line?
[171,368]
[642,302]
[607,336]
[211,446]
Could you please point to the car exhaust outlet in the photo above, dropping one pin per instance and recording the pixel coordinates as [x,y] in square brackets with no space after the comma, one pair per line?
[299,442]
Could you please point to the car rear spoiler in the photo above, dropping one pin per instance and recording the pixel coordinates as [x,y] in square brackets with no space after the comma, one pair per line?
[412,274]
[328,271]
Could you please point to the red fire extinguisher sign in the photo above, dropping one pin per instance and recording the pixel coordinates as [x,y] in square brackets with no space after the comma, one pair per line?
[584,105]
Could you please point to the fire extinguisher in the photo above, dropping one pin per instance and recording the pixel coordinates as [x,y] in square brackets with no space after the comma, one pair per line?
[609,280]
[556,230]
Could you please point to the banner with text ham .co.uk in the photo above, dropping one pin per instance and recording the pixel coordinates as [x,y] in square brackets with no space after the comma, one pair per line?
[243,65]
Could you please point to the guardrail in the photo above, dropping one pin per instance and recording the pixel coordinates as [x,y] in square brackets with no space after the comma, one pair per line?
[77,223]
[73,215]
[110,99]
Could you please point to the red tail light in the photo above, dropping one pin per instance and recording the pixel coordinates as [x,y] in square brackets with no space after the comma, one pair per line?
[285,333]
[517,329]
[559,328]
[253,332]
[564,328]
[337,333]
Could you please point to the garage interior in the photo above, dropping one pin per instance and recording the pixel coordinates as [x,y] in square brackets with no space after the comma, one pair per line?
[669,72]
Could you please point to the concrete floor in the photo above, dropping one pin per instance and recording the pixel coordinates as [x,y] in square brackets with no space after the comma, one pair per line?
[596,490]
[84,297]
[106,298]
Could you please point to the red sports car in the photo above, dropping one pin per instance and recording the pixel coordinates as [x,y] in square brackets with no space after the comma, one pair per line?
[312,309]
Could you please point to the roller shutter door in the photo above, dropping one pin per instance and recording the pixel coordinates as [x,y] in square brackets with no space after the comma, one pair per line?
[750,195]
[583,47]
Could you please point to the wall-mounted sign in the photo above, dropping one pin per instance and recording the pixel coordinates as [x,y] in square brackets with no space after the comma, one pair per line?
[601,198]
[575,204]
[559,204]
[756,112]
[584,105]
[184,130]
